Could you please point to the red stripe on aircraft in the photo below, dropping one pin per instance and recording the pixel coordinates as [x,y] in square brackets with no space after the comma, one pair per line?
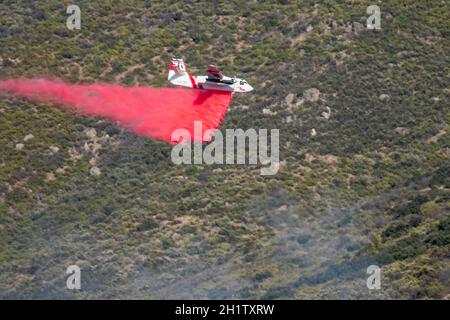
[194,85]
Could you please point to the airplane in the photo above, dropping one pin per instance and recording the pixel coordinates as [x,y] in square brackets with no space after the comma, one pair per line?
[178,75]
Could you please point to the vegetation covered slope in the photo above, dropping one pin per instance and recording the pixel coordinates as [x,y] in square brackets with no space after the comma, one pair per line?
[364,178]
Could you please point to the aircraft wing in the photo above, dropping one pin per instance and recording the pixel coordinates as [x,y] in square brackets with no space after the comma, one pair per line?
[214,73]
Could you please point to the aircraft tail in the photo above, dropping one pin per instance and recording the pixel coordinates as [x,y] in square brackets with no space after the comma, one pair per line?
[178,74]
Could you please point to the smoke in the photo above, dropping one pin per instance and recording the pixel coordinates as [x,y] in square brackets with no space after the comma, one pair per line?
[146,111]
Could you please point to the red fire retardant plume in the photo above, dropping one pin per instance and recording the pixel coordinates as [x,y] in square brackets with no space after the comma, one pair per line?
[147,111]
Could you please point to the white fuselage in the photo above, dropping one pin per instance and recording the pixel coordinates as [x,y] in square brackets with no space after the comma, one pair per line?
[179,76]
[225,84]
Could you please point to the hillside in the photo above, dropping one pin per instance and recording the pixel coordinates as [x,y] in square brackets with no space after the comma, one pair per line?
[371,187]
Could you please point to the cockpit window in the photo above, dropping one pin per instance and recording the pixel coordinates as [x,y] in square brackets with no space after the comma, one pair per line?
[242,82]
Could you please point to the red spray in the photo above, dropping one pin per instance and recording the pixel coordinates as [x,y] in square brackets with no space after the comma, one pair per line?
[147,111]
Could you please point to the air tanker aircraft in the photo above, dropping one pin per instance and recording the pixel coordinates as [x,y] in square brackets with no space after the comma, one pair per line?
[179,76]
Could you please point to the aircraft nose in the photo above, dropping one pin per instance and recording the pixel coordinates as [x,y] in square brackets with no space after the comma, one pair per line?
[248,87]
